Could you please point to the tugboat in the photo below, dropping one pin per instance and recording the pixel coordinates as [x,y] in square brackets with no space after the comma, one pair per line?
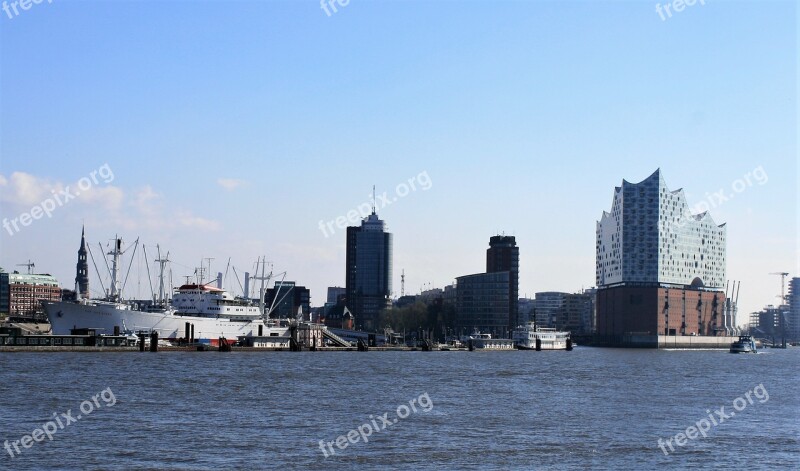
[745,344]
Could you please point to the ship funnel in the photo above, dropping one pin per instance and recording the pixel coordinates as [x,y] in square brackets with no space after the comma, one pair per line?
[219,280]
[247,285]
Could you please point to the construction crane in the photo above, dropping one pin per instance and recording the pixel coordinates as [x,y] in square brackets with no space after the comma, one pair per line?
[783,285]
[30,265]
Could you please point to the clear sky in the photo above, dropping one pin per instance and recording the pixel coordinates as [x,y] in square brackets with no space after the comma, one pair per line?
[233,128]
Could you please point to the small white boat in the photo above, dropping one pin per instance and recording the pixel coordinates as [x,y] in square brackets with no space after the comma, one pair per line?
[745,344]
[452,344]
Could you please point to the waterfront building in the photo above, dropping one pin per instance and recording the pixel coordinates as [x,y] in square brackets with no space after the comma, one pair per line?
[794,309]
[5,295]
[503,256]
[546,306]
[21,295]
[589,316]
[573,312]
[489,302]
[659,267]
[369,271]
[770,322]
[482,303]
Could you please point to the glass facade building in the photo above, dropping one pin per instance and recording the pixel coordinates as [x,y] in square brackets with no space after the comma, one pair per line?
[651,236]
[503,255]
[369,271]
[482,303]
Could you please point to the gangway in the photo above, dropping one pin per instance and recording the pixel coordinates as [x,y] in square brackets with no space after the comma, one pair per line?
[340,342]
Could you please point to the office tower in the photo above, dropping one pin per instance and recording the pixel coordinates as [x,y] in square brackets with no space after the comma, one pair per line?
[489,302]
[369,271]
[503,255]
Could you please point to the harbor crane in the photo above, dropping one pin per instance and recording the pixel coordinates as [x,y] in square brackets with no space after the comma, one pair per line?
[783,276]
[30,266]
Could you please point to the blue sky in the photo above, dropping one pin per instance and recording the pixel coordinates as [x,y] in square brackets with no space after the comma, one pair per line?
[233,128]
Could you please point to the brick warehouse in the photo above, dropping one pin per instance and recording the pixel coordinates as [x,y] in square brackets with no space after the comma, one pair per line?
[651,310]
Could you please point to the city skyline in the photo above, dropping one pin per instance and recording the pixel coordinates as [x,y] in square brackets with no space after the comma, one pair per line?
[517,133]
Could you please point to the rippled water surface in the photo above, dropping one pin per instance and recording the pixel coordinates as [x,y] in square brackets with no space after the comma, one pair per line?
[589,408]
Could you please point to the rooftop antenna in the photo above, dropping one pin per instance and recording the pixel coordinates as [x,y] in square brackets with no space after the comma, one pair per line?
[373,199]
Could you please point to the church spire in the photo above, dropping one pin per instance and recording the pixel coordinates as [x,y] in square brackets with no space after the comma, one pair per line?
[82,270]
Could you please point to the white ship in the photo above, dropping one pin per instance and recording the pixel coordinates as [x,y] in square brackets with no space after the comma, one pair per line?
[197,311]
[533,337]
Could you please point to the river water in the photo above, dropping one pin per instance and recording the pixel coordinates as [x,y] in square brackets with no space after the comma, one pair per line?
[590,408]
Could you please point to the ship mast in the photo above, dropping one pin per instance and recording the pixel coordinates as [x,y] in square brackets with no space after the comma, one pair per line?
[262,261]
[116,253]
[161,263]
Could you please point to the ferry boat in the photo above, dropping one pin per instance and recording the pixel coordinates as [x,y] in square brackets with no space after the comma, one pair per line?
[745,344]
[533,337]
[197,310]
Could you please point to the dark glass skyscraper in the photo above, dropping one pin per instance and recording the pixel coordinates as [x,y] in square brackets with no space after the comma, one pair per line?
[369,271]
[503,255]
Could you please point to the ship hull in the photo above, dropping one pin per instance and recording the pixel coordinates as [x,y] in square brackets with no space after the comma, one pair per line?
[553,345]
[65,315]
